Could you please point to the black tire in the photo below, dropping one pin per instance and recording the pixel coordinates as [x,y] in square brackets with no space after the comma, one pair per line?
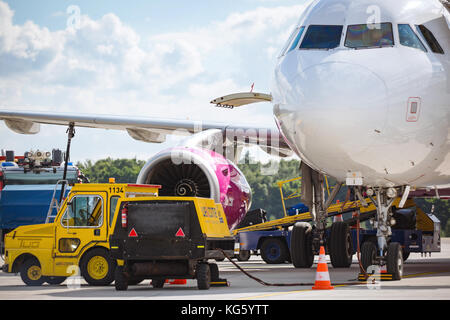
[274,251]
[54,281]
[340,245]
[301,245]
[394,260]
[368,254]
[31,273]
[158,283]
[89,267]
[244,255]
[405,254]
[203,276]
[120,279]
[214,270]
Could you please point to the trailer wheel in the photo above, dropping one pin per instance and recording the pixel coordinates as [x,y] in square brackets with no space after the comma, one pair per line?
[243,255]
[214,270]
[395,260]
[340,245]
[274,251]
[203,276]
[158,283]
[31,273]
[120,279]
[368,254]
[301,245]
[97,267]
[405,254]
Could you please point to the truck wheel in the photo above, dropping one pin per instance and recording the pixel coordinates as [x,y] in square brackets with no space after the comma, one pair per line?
[54,281]
[97,267]
[243,255]
[340,245]
[203,276]
[301,245]
[395,260]
[120,279]
[368,254]
[274,251]
[31,273]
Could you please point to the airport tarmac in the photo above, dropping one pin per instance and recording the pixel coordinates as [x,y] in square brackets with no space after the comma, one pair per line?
[424,278]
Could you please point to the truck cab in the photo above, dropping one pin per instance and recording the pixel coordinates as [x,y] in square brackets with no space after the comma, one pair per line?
[76,241]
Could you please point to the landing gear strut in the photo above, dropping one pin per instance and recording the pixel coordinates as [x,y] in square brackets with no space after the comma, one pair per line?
[384,252]
[306,239]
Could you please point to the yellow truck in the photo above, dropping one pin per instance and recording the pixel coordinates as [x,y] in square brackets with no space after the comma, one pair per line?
[78,237]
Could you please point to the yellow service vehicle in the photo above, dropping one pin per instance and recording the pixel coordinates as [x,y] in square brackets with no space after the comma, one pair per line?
[78,237]
[170,238]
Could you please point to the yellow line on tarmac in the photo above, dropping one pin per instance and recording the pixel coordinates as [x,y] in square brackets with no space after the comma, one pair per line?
[336,286]
[424,274]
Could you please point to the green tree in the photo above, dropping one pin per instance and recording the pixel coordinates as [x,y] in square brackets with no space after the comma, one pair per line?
[123,170]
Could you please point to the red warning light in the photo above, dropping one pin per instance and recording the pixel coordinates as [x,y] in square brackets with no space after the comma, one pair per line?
[180,233]
[132,233]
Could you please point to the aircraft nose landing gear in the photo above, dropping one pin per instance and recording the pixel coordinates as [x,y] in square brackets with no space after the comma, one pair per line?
[383,253]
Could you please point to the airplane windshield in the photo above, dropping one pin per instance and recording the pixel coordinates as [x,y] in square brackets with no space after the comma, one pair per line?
[369,35]
[322,37]
[292,44]
[408,38]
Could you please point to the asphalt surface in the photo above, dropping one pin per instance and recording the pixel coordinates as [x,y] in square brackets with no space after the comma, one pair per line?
[424,278]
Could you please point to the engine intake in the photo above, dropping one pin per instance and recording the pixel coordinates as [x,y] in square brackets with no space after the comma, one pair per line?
[197,172]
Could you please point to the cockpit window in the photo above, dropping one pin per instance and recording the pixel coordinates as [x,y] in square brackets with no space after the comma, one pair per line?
[293,40]
[297,39]
[322,37]
[408,38]
[364,36]
[430,39]
[286,46]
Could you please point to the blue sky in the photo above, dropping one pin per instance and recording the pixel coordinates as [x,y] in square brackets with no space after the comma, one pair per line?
[139,58]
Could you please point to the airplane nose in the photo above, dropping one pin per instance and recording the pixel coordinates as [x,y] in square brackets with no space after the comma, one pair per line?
[333,109]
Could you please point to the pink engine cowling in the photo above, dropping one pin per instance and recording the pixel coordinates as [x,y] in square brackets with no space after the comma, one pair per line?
[187,171]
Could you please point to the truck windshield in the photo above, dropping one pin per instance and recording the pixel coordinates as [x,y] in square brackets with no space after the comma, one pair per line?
[322,37]
[84,211]
[363,36]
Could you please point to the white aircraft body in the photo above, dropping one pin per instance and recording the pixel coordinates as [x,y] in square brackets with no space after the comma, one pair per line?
[361,92]
[369,98]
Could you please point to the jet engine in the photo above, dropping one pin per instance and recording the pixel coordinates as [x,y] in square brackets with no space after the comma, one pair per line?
[199,172]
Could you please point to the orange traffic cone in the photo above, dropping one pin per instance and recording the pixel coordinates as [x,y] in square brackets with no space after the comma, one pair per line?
[338,218]
[178,281]
[322,275]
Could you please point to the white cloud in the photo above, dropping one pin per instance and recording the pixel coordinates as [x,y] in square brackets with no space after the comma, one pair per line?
[107,67]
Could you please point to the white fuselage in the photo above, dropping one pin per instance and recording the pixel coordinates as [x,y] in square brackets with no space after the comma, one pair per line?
[381,112]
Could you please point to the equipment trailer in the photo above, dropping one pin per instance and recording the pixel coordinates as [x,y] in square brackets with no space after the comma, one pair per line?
[169,238]
[284,239]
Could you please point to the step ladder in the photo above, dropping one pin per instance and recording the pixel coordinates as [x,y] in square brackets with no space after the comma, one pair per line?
[54,204]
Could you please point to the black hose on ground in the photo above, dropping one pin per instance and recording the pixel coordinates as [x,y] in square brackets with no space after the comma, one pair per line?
[277,284]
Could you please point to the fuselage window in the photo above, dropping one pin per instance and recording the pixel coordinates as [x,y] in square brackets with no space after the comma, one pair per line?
[322,37]
[408,38]
[430,39]
[364,36]
[297,39]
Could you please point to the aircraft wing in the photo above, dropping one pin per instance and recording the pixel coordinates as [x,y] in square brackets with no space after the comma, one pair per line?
[152,130]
